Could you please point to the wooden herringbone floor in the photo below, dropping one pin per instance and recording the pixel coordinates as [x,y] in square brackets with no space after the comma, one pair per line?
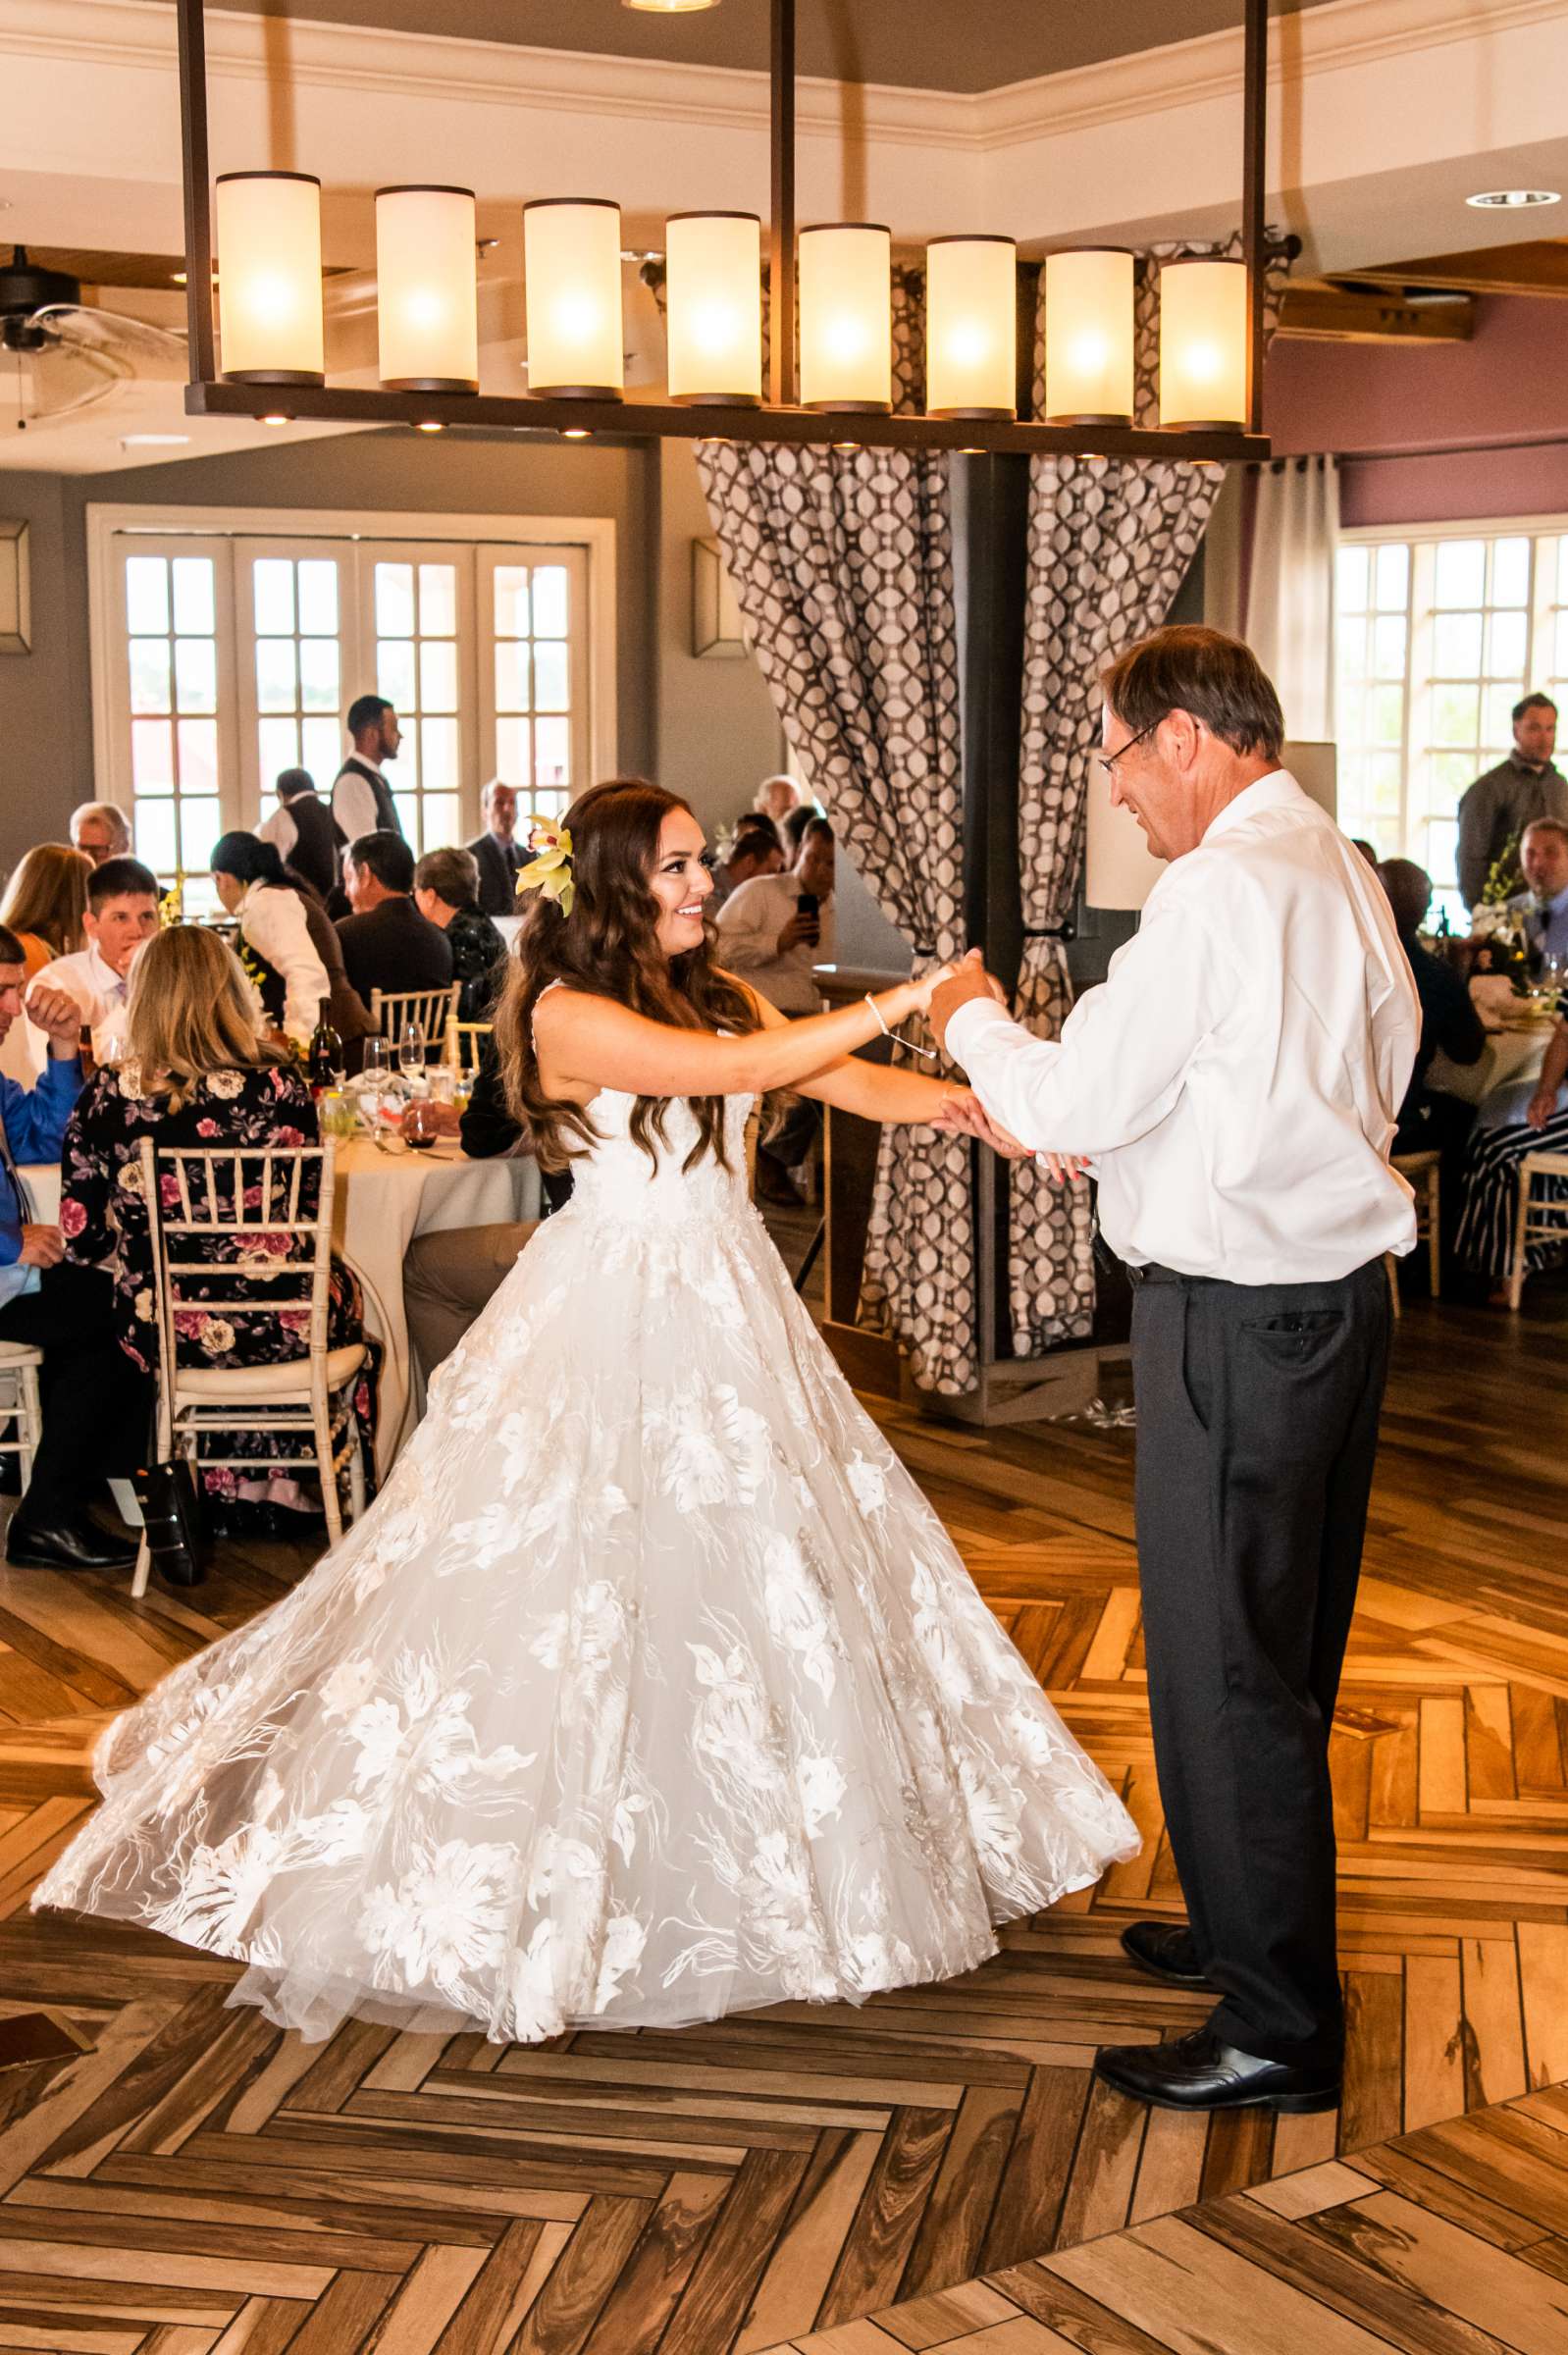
[178,2179]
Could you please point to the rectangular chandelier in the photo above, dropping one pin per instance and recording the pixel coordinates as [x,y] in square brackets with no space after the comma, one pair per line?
[267,358]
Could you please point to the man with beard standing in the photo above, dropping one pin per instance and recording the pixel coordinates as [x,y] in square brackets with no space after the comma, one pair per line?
[1235,1084]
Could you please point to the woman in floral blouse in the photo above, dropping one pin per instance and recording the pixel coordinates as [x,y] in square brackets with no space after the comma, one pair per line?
[195,1073]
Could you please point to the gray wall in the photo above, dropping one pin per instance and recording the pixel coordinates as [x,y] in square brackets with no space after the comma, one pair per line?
[704,727]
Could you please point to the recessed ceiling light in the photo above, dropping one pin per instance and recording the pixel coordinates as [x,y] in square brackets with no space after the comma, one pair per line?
[669,8]
[153,440]
[1510,200]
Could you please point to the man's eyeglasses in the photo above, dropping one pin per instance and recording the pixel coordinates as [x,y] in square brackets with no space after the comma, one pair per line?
[1107,760]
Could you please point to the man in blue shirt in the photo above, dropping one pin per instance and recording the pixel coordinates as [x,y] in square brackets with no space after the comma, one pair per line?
[95,1401]
[1544,856]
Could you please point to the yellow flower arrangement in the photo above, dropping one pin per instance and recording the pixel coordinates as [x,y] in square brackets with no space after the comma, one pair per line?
[549,871]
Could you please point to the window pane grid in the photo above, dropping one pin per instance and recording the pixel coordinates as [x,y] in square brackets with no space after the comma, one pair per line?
[172,674]
[418,670]
[529,623]
[1437,642]
[299,668]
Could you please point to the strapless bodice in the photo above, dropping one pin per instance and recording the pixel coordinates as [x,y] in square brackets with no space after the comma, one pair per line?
[616,1180]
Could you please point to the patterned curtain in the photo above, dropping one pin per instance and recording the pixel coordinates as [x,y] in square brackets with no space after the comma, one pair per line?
[1110,543]
[841,565]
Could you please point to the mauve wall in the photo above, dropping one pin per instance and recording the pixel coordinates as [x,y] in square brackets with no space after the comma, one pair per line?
[1466,403]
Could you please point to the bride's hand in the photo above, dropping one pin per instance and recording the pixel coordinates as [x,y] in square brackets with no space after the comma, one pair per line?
[963,1115]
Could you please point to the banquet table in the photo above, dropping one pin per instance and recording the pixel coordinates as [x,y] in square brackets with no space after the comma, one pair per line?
[383,1197]
[1510,1055]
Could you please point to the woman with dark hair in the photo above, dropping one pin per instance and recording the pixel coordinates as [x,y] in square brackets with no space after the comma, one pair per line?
[652,1688]
[274,946]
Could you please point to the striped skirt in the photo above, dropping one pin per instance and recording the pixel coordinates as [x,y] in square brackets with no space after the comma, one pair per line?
[1490,1205]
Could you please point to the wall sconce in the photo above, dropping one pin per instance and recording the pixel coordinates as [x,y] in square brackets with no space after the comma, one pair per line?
[1203,344]
[713,306]
[427,300]
[1088,337]
[971,327]
[15,591]
[717,630]
[269,278]
[572,297]
[846,285]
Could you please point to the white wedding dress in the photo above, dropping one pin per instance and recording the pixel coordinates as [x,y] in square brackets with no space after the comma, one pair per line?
[650,1689]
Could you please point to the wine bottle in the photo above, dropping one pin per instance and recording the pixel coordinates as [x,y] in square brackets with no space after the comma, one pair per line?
[324,1055]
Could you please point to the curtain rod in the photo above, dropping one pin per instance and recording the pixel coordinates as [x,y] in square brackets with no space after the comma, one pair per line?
[1452,449]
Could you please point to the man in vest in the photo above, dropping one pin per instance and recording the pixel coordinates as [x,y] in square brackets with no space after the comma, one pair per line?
[361,798]
[307,836]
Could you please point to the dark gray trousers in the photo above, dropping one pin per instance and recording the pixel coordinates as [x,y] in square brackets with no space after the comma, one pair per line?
[1257,1428]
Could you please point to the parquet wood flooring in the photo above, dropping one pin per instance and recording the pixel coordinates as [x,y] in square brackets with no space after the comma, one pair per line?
[934,2168]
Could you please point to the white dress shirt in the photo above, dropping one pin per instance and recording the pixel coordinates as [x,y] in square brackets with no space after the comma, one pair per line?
[101,993]
[748,925]
[272,919]
[1237,1075]
[281,830]
[353,805]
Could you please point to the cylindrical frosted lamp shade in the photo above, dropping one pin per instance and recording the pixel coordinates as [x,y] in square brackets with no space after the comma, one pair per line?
[1203,344]
[269,278]
[971,327]
[427,302]
[1119,871]
[713,306]
[572,297]
[1088,337]
[846,286]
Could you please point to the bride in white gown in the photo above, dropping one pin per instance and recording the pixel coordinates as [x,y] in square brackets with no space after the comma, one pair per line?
[651,1688]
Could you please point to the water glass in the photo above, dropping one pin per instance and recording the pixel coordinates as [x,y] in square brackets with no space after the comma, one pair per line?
[411,1049]
[377,1070]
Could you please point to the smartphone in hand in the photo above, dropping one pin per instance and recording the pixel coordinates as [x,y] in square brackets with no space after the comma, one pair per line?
[808,908]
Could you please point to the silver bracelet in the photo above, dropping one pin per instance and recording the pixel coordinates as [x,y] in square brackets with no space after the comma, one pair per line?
[928,1052]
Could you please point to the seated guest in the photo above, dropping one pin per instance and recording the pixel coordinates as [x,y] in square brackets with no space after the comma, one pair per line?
[100,830]
[199,1074]
[775,798]
[1448,1019]
[122,914]
[95,1406]
[386,944]
[497,850]
[446,895]
[450,1276]
[275,945]
[794,828]
[46,902]
[755,850]
[764,935]
[1498,1144]
[307,835]
[1544,856]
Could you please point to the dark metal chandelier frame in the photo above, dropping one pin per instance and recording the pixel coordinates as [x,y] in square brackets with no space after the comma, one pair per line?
[780,418]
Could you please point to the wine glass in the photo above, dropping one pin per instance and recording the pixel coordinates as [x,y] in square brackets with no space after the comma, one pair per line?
[411,1050]
[420,1124]
[377,1070]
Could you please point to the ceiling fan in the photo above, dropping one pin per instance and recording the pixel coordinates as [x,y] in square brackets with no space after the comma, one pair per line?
[59,355]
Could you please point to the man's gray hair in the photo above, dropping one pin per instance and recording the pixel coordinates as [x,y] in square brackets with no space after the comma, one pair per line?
[494,786]
[452,874]
[114,818]
[1215,678]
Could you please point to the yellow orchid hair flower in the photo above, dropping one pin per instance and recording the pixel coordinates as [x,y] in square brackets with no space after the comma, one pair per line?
[549,871]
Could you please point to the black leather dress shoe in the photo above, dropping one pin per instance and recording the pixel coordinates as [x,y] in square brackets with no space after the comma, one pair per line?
[1201,2072]
[76,1543]
[1166,1951]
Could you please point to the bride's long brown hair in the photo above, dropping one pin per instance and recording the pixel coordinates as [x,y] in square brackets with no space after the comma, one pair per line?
[608,948]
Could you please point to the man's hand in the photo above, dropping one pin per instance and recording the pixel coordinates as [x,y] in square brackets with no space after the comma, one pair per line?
[963,1115]
[801,930]
[41,1246]
[972,980]
[57,1013]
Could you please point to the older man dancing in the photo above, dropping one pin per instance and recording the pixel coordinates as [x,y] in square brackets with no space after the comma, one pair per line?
[1234,1085]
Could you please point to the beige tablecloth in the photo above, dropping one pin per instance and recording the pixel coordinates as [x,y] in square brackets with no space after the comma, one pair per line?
[1510,1055]
[382,1201]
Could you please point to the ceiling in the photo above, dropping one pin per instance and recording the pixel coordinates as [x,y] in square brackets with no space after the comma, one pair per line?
[963,45]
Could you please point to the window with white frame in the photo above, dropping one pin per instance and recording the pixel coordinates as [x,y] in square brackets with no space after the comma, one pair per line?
[227,649]
[1440,633]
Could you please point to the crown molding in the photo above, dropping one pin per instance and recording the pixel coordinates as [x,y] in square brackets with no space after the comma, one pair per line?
[1337,36]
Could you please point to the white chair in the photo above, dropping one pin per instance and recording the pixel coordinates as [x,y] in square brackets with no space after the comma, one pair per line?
[21,1416]
[1535,1221]
[392,1011]
[465,1043]
[295,1395]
